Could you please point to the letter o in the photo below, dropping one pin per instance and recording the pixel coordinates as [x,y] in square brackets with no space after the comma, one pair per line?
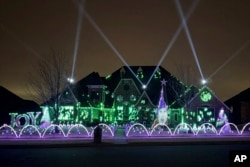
[25,116]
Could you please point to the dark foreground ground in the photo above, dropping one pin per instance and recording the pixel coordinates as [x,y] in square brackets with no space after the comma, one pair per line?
[186,155]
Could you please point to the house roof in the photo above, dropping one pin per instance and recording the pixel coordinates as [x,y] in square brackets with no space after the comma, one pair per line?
[203,88]
[112,80]
[186,97]
[10,102]
[154,87]
[80,89]
[243,96]
[91,79]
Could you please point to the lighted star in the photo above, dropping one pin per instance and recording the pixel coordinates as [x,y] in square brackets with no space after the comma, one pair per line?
[163,82]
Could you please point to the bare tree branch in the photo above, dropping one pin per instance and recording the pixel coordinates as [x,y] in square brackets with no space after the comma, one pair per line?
[48,80]
[186,76]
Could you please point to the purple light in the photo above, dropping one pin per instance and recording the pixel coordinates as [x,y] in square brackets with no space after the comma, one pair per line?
[136,130]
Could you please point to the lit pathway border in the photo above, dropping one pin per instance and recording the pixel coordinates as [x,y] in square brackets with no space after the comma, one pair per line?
[135,130]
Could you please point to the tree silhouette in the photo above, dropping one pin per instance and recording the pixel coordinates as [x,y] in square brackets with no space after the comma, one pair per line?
[48,80]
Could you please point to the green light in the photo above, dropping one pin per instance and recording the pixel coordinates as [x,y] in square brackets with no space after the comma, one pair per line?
[140,74]
[209,113]
[206,96]
[108,76]
[143,101]
[119,98]
[157,74]
[199,118]
[119,107]
[182,115]
[127,104]
[132,98]
[46,116]
[205,114]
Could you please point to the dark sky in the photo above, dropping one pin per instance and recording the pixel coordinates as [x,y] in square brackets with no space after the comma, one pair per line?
[139,29]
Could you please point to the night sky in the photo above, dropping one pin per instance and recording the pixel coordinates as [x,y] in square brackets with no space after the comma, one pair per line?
[139,29]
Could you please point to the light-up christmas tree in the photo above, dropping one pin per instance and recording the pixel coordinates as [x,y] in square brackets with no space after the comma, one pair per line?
[45,120]
[162,109]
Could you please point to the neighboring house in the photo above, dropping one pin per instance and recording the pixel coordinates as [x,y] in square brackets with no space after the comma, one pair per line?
[240,107]
[11,103]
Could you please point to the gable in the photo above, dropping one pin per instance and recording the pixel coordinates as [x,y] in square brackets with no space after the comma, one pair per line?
[126,90]
[126,86]
[144,74]
[144,100]
[206,97]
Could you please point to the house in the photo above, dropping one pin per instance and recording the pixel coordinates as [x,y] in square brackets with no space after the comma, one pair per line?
[10,102]
[240,107]
[131,94]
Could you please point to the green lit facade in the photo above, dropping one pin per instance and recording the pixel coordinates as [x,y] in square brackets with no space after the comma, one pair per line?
[120,98]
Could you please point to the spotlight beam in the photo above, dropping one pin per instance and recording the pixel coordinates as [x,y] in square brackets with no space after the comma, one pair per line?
[67,85]
[190,41]
[93,23]
[77,39]
[233,56]
[75,99]
[24,44]
[176,35]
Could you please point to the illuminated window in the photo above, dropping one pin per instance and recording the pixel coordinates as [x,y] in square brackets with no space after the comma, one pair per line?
[205,114]
[119,98]
[157,74]
[132,98]
[143,101]
[140,73]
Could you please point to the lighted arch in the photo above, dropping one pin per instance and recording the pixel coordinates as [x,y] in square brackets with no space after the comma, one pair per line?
[12,129]
[181,124]
[102,124]
[53,125]
[207,123]
[244,127]
[139,124]
[76,126]
[25,127]
[159,124]
[229,125]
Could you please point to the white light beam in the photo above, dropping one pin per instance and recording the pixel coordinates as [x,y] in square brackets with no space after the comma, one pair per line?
[177,33]
[184,23]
